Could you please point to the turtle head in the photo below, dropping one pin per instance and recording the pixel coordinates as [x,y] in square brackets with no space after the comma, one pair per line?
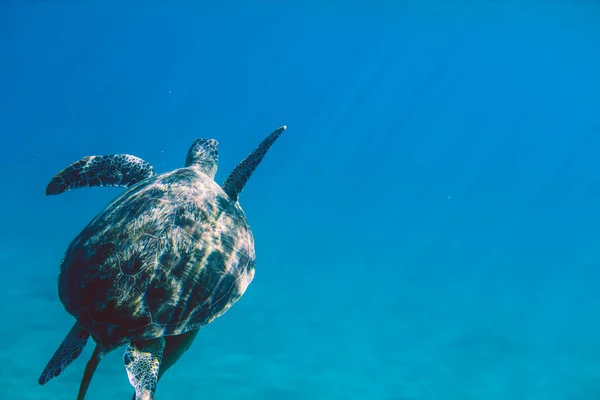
[204,154]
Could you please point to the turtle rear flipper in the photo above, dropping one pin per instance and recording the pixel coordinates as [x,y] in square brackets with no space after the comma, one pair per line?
[175,346]
[142,361]
[122,170]
[70,348]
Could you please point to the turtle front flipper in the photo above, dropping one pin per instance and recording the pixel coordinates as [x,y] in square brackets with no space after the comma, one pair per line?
[238,178]
[122,170]
[70,348]
[142,361]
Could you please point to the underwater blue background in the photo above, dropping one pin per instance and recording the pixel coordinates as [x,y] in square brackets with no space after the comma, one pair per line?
[426,228]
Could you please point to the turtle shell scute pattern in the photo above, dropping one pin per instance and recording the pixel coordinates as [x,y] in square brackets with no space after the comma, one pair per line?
[164,258]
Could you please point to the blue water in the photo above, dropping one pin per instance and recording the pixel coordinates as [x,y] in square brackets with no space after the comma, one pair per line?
[426,228]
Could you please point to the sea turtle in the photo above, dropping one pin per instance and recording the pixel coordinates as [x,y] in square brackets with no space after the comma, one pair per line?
[166,257]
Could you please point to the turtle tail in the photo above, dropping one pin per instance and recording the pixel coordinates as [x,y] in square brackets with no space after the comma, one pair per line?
[90,368]
[238,178]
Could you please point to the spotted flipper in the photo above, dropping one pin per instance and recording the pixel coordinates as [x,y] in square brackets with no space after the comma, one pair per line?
[90,368]
[175,346]
[70,348]
[142,362]
[238,178]
[121,170]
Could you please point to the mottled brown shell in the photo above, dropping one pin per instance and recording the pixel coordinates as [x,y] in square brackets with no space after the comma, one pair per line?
[169,255]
